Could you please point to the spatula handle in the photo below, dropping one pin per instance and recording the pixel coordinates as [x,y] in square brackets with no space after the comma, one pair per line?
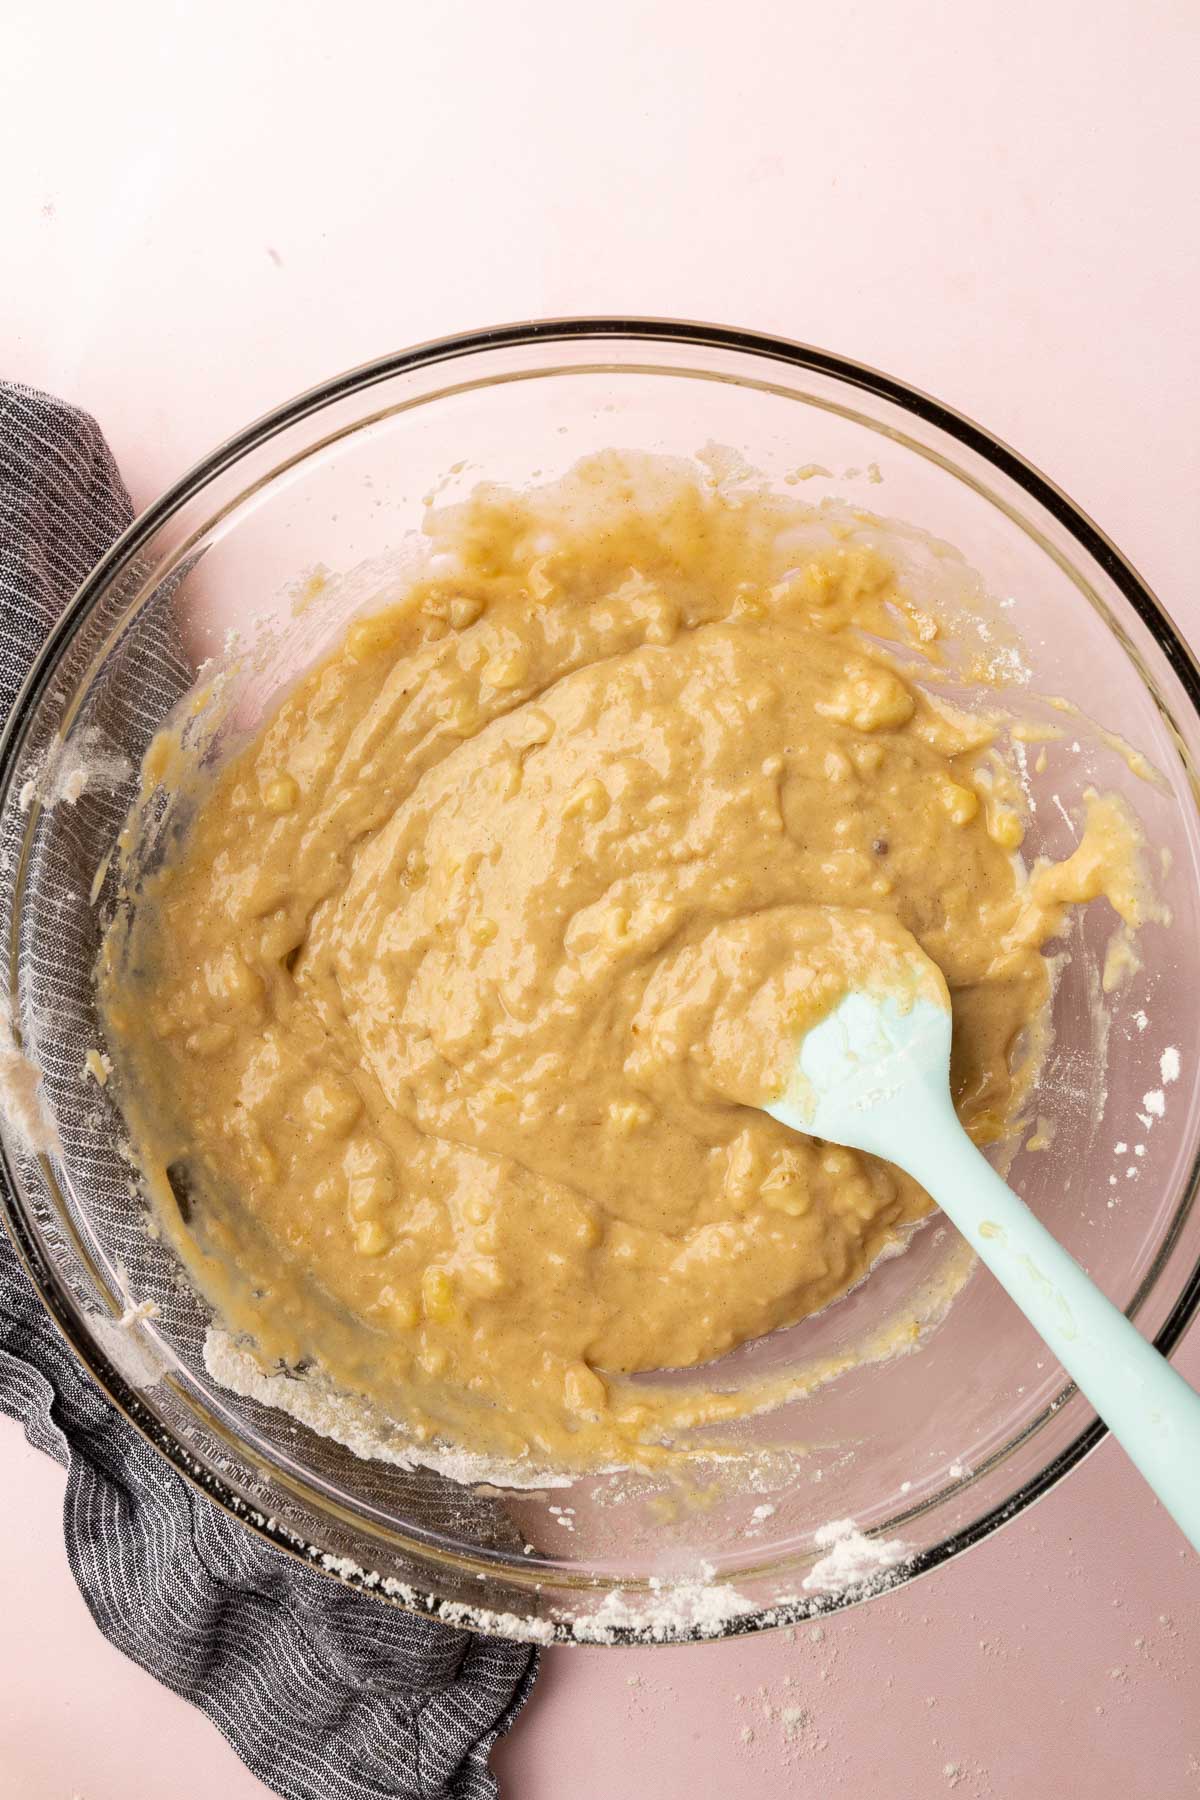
[1146,1404]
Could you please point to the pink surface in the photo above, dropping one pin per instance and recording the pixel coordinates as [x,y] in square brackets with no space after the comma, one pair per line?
[206,212]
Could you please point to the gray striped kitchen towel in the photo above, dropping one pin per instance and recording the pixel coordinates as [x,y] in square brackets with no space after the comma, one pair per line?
[325,1693]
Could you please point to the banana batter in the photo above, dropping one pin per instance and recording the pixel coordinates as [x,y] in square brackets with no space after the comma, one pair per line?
[419,1024]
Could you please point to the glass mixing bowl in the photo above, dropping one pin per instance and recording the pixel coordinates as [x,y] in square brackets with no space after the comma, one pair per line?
[937,1448]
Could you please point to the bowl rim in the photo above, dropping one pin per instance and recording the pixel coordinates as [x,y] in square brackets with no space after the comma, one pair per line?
[522,334]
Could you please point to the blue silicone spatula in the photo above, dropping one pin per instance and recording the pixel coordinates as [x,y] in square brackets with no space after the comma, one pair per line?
[873,1075]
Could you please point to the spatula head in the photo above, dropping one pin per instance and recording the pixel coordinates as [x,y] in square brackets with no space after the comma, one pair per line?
[866,1072]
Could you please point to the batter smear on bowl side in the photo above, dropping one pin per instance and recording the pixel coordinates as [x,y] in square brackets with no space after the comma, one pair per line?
[418,1023]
